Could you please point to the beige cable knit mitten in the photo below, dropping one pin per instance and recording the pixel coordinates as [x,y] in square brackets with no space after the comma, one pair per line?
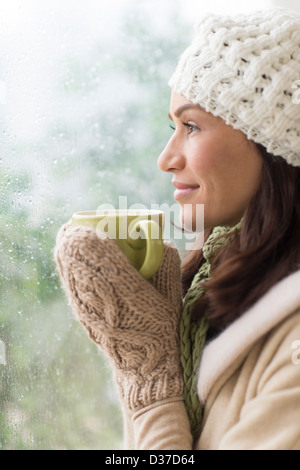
[135,322]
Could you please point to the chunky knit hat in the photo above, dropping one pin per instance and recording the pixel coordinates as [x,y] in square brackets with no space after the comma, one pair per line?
[245,69]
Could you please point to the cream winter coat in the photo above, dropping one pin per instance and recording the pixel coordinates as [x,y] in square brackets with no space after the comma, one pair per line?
[248,384]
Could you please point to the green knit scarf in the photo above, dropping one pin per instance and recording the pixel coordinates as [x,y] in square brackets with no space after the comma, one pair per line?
[193,331]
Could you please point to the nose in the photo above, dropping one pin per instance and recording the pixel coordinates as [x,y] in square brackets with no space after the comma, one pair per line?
[171,158]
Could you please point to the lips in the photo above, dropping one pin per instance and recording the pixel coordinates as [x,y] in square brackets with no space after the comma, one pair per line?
[183,189]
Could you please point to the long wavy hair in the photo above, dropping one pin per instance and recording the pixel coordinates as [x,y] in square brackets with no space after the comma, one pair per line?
[266,249]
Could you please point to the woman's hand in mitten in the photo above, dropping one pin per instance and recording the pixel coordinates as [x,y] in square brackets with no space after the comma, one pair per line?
[136,322]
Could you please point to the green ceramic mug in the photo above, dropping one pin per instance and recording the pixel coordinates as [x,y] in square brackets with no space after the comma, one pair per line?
[138,233]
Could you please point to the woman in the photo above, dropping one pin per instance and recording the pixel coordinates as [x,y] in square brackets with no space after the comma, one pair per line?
[216,370]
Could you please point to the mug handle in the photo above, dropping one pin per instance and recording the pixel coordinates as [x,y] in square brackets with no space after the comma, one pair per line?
[154,246]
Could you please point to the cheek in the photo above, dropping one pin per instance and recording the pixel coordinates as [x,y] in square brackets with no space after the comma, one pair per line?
[207,161]
[224,164]
[236,176]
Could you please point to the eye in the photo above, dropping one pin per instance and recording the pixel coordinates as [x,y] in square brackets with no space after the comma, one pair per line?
[191,127]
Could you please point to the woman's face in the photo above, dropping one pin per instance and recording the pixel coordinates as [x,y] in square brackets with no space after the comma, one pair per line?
[212,164]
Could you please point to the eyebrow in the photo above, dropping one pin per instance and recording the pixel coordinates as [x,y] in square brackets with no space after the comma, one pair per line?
[183,108]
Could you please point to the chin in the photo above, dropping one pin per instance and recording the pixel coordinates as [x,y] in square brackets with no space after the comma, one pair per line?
[190,221]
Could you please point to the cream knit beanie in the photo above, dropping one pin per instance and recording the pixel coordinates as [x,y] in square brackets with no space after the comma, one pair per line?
[246,70]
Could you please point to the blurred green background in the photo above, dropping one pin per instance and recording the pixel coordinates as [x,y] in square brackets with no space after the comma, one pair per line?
[83,120]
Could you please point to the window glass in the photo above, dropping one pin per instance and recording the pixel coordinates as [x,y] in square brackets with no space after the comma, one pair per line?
[84,102]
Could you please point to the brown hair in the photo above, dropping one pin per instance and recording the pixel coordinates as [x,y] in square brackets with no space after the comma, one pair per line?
[266,249]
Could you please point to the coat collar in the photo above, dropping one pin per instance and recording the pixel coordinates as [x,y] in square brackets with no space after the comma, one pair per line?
[232,344]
